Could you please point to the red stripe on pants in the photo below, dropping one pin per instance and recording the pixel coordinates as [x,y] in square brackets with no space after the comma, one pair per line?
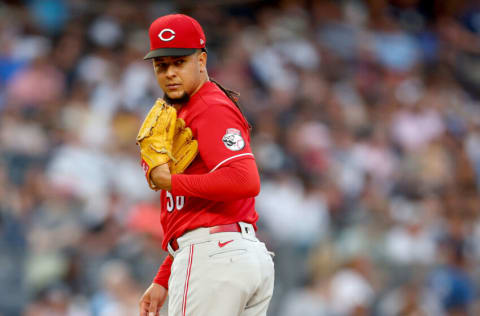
[185,291]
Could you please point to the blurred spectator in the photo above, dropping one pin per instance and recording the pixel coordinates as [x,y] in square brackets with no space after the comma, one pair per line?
[119,292]
[56,300]
[409,298]
[38,85]
[451,282]
[351,291]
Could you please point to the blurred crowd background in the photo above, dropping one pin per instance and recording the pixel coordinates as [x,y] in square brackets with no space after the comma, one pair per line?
[366,131]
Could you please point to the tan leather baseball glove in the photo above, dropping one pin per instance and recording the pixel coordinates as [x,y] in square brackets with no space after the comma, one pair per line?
[184,148]
[164,139]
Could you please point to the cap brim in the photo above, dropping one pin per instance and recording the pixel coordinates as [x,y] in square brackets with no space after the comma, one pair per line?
[162,52]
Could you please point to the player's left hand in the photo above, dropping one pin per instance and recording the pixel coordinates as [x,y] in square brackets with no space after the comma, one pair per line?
[155,138]
[164,138]
[161,177]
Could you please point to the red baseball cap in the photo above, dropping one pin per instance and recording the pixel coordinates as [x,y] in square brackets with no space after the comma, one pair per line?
[175,35]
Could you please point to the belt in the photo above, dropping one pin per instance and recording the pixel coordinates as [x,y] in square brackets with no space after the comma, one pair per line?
[214,229]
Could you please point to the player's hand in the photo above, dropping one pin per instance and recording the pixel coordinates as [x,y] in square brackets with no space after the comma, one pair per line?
[152,300]
[161,177]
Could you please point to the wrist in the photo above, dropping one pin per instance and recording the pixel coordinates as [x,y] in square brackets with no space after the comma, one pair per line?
[161,177]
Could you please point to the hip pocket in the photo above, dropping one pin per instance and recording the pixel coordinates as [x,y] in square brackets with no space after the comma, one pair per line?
[228,254]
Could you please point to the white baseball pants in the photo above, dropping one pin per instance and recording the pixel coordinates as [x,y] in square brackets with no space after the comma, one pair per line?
[221,274]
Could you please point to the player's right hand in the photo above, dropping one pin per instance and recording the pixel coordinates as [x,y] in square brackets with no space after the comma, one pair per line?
[152,300]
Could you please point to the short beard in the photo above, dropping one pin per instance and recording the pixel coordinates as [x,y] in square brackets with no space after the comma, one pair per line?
[182,100]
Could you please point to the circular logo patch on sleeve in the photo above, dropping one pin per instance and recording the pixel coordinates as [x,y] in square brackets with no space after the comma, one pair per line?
[233,139]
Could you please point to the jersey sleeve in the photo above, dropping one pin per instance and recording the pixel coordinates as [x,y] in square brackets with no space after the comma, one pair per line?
[163,273]
[238,180]
[223,136]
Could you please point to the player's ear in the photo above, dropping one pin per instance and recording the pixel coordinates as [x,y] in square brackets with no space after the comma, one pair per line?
[202,61]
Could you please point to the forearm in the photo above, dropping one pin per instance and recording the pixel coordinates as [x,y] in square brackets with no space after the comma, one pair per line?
[236,181]
[163,273]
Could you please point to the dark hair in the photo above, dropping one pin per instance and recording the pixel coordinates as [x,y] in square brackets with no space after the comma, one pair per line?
[233,96]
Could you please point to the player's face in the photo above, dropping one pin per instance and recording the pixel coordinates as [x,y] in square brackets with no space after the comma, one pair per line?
[180,76]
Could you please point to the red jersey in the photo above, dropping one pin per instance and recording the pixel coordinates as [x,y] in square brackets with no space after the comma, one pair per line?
[223,137]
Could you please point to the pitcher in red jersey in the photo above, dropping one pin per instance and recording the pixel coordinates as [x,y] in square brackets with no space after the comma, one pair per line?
[216,265]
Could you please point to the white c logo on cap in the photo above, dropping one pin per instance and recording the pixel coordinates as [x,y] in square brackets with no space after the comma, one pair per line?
[166,39]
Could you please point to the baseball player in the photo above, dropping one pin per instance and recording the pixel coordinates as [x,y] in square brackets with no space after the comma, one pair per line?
[216,265]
